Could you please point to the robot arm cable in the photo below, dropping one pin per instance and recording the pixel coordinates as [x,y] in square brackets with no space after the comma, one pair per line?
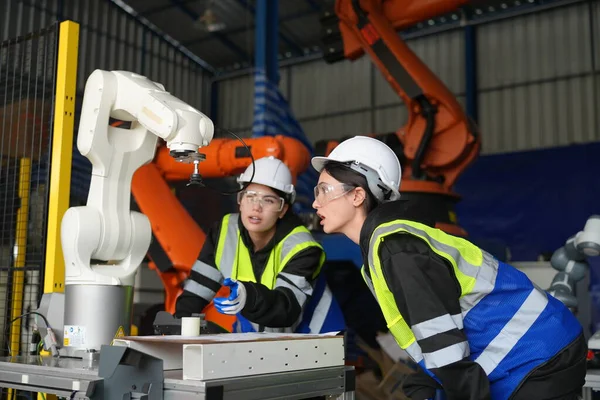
[428,111]
[49,340]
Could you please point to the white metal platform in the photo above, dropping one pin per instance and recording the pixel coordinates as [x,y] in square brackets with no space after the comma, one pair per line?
[223,356]
[252,370]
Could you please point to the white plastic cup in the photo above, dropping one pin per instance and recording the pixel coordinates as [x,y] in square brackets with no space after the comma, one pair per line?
[190,326]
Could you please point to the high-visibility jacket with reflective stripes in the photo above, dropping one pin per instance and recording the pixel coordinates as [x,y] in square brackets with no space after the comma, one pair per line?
[510,326]
[233,260]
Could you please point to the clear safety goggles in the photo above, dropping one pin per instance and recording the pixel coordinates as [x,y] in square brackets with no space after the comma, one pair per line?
[326,192]
[267,202]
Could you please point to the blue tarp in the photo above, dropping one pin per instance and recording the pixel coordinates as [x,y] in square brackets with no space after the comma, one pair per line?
[530,201]
[273,116]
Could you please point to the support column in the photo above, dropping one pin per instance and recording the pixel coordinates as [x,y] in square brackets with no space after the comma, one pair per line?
[266,46]
[472,108]
[272,40]
[214,101]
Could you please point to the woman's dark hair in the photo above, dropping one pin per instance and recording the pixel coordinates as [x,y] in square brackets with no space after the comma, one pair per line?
[286,197]
[345,174]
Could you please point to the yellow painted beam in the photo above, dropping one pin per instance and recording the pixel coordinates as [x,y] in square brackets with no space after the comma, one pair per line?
[62,156]
[62,153]
[18,275]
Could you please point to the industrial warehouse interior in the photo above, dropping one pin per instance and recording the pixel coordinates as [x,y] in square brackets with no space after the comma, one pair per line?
[300,199]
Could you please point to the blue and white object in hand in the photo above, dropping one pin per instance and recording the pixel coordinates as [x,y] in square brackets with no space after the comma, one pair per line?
[236,300]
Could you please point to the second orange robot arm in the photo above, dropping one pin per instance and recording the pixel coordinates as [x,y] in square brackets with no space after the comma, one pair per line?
[177,237]
[225,157]
[438,137]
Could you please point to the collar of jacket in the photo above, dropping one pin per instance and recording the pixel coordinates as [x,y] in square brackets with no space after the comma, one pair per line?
[283,227]
[390,211]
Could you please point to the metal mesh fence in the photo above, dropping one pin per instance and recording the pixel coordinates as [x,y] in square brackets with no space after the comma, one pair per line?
[27,82]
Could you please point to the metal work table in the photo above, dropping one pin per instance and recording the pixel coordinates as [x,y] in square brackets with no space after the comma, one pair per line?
[79,379]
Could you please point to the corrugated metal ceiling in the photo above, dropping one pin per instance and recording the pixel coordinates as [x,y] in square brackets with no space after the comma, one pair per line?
[232,46]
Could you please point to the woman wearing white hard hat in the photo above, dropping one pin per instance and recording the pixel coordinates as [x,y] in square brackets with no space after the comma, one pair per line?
[269,260]
[478,328]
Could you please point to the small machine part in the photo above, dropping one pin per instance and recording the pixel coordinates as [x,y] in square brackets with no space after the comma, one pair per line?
[195,177]
[36,338]
[593,356]
[166,324]
[190,326]
[91,355]
[50,343]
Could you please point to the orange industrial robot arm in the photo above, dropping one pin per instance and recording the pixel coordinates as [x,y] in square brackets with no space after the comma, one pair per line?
[438,140]
[177,237]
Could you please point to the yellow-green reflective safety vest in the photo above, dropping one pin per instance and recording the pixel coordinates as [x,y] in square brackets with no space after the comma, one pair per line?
[233,261]
[504,316]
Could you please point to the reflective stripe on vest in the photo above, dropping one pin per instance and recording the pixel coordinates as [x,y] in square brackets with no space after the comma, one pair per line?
[207,271]
[233,260]
[321,310]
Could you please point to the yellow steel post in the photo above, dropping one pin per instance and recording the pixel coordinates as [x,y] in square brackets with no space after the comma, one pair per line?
[20,251]
[62,153]
[18,275]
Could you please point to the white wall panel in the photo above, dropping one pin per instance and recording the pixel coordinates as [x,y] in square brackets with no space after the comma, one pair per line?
[337,126]
[319,88]
[536,81]
[390,119]
[236,103]
[541,115]
[534,47]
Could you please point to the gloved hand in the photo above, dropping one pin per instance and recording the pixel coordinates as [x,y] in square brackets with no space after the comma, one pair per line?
[236,300]
[242,325]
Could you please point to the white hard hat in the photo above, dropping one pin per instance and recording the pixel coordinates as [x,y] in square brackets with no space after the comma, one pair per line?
[270,172]
[383,171]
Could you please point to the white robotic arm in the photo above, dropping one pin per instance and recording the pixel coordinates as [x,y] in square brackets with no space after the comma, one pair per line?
[104,242]
[570,261]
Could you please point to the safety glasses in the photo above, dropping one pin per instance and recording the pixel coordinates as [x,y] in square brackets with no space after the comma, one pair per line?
[267,202]
[325,192]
